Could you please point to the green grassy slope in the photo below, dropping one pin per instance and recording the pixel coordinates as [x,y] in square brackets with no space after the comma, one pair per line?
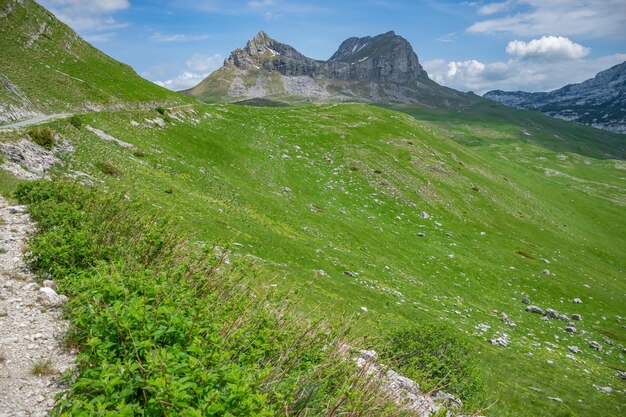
[313,192]
[45,67]
[483,123]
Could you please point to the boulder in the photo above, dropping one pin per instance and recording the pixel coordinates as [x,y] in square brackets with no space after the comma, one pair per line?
[534,309]
[49,297]
[552,313]
[595,345]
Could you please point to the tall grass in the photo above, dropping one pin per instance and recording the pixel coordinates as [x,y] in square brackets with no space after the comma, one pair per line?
[166,328]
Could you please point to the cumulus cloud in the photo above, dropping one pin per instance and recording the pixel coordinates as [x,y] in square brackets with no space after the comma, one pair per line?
[182,81]
[493,8]
[178,37]
[89,17]
[199,62]
[197,68]
[525,75]
[550,48]
[595,18]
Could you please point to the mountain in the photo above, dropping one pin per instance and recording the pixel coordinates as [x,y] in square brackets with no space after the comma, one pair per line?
[382,69]
[45,67]
[599,102]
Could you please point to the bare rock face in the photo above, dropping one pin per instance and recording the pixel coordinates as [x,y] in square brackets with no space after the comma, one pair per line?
[264,52]
[599,102]
[383,58]
[381,69]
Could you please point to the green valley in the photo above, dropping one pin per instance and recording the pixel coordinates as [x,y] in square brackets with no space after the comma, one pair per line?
[272,233]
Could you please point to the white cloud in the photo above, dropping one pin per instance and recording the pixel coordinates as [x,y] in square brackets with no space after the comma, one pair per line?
[198,67]
[89,16]
[547,48]
[447,38]
[594,18]
[199,62]
[493,8]
[160,37]
[525,75]
[99,37]
[182,81]
[88,6]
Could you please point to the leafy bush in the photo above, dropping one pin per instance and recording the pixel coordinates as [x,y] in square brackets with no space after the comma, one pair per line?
[42,136]
[437,357]
[165,327]
[76,121]
[161,110]
[109,169]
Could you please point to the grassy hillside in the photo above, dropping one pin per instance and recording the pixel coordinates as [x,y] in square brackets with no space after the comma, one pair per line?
[329,198]
[484,123]
[64,73]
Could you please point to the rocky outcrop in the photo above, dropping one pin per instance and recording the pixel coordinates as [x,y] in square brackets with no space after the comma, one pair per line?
[382,69]
[383,58]
[599,102]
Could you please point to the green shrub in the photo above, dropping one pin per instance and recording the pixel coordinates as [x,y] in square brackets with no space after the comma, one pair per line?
[76,121]
[525,254]
[109,169]
[42,136]
[164,327]
[437,357]
[161,110]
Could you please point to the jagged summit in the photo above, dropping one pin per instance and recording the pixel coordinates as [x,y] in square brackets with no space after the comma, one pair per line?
[382,69]
[598,102]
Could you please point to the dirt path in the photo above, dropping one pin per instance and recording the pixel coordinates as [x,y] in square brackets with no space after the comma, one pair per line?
[30,325]
[35,120]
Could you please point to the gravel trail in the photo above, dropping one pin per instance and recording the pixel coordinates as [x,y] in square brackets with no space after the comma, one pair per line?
[31,328]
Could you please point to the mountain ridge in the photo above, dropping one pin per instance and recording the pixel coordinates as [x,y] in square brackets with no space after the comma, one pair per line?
[380,69]
[599,101]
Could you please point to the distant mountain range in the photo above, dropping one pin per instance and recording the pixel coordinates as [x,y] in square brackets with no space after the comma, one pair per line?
[382,69]
[599,102]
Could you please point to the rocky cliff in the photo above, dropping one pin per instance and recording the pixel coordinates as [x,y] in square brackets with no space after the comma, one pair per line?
[598,102]
[382,69]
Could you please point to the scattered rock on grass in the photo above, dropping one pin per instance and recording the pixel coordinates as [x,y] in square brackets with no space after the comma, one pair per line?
[534,309]
[595,345]
[552,313]
[577,301]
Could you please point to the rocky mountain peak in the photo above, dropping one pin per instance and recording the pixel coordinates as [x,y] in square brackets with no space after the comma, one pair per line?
[261,51]
[599,102]
[391,56]
[382,68]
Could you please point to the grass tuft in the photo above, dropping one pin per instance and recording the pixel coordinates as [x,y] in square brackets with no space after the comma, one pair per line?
[43,137]
[109,169]
[43,368]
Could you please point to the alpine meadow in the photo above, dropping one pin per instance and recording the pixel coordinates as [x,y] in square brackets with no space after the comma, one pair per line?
[298,237]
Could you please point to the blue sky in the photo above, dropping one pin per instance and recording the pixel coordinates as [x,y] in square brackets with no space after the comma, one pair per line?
[531,45]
